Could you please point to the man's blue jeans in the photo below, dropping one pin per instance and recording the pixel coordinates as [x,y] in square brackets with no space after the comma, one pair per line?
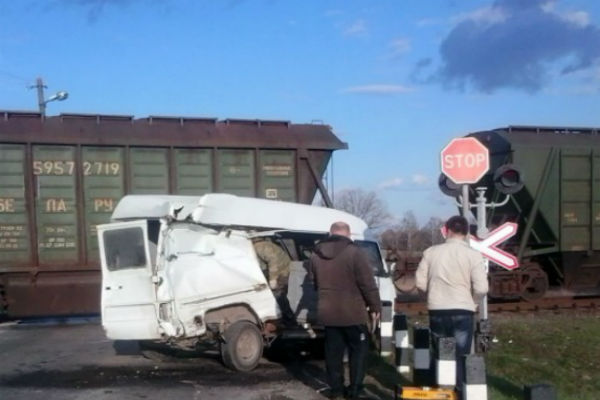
[459,325]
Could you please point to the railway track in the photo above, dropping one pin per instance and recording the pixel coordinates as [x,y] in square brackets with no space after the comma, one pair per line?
[557,304]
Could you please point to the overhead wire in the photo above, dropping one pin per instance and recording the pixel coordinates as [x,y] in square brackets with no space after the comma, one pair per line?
[9,74]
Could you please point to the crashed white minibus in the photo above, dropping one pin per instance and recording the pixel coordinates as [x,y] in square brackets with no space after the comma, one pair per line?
[183,269]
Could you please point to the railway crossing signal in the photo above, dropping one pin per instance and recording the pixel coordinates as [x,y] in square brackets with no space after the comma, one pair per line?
[487,247]
[465,160]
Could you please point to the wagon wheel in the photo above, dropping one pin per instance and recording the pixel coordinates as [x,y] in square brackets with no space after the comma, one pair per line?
[402,279]
[405,284]
[534,282]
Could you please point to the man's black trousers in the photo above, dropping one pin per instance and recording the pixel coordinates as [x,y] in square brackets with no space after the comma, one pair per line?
[356,339]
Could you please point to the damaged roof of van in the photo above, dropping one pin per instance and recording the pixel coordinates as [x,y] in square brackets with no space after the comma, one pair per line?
[150,206]
[229,210]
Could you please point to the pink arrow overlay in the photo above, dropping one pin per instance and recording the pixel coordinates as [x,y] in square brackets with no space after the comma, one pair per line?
[488,248]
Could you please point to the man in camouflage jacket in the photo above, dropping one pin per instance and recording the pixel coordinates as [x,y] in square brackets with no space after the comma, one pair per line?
[275,264]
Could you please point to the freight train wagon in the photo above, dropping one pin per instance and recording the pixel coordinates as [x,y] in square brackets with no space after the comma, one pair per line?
[63,175]
[558,208]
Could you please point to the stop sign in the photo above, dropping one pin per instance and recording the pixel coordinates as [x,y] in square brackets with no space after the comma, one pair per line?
[465,160]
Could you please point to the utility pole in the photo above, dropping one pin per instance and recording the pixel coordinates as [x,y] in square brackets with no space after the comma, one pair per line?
[39,85]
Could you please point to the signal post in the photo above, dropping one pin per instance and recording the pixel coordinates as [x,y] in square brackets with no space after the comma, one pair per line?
[464,161]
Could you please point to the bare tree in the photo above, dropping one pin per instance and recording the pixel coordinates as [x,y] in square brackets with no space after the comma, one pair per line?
[365,205]
[433,229]
[410,238]
[393,239]
[409,222]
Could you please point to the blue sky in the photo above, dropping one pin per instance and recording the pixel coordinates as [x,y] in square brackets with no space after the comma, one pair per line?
[395,79]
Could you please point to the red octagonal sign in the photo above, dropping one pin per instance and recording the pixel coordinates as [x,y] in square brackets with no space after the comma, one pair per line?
[465,160]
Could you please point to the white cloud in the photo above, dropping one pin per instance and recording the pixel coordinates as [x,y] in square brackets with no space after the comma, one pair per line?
[579,18]
[558,42]
[420,179]
[490,15]
[358,28]
[417,181]
[400,46]
[386,89]
[549,6]
[428,22]
[390,184]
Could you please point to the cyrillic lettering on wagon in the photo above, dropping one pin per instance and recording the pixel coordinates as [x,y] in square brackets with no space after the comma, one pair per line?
[56,205]
[7,205]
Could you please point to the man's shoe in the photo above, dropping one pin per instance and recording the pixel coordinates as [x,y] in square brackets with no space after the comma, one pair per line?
[332,394]
[360,396]
[355,394]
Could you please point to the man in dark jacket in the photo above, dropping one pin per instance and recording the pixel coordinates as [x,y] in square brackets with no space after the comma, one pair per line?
[347,295]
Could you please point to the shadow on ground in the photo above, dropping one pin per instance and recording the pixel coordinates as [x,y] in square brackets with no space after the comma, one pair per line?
[160,352]
[160,366]
[379,383]
[302,360]
[504,386]
[210,373]
[382,378]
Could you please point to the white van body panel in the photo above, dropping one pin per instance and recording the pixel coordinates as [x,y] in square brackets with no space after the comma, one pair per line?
[229,210]
[128,303]
[226,209]
[153,206]
[206,269]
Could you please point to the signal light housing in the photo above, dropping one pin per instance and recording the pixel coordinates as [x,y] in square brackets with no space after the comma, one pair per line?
[508,179]
[448,187]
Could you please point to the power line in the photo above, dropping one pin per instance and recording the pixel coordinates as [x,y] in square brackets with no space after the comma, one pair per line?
[26,81]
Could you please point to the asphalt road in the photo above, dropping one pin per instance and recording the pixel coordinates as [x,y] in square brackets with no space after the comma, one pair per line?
[75,361]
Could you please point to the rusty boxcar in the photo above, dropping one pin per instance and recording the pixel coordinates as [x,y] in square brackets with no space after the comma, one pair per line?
[61,176]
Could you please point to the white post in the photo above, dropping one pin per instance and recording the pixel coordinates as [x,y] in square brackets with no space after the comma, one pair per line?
[475,385]
[465,201]
[445,361]
[402,344]
[421,357]
[386,329]
[482,232]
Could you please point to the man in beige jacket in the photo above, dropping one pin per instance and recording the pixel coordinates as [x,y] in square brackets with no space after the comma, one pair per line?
[454,278]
